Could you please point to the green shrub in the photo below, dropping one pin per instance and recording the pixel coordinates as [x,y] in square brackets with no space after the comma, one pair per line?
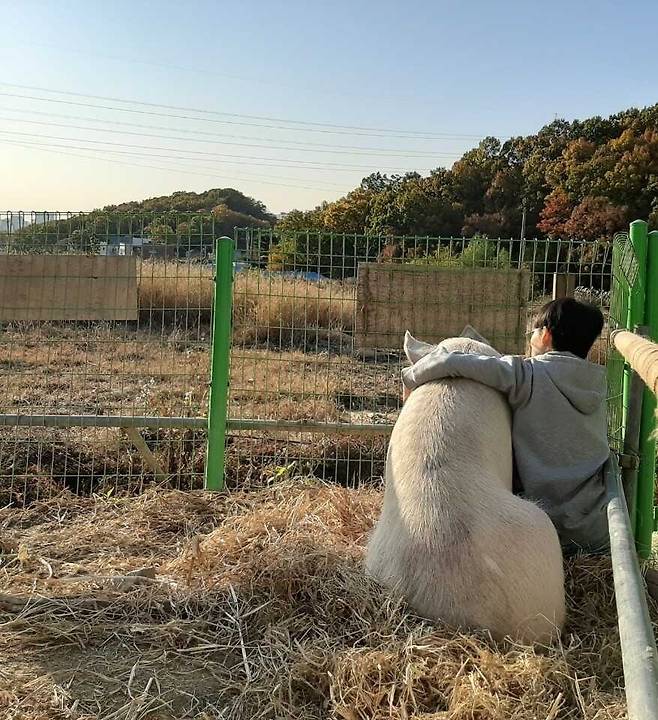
[479,253]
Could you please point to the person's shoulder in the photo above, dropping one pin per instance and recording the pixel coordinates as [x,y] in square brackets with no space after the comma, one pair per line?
[568,359]
[559,357]
[516,360]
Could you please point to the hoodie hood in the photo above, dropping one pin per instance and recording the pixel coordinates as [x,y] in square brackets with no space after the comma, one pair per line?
[581,382]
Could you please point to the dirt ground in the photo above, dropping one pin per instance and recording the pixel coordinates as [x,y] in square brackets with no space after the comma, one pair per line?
[109,370]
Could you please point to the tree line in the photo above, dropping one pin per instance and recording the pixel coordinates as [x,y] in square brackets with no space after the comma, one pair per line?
[187,220]
[584,179]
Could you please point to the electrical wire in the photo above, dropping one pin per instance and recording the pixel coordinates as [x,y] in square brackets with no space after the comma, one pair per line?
[305,146]
[328,129]
[306,164]
[177,169]
[358,128]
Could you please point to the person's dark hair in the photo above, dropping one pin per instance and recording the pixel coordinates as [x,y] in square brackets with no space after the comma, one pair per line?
[574,325]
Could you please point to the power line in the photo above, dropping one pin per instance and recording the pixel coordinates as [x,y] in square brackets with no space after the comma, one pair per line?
[47,148]
[227,114]
[221,142]
[310,125]
[190,117]
[159,157]
[304,164]
[197,132]
[101,152]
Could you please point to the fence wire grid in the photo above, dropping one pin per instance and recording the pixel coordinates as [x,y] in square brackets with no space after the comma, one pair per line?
[624,277]
[102,314]
[319,320]
[318,324]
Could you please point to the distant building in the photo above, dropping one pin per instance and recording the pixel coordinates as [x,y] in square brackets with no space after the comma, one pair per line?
[123,245]
[12,222]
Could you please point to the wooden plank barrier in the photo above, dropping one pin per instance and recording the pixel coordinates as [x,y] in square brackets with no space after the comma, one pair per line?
[68,287]
[436,303]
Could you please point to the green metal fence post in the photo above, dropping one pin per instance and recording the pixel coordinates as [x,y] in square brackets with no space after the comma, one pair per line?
[632,440]
[219,364]
[647,470]
[638,237]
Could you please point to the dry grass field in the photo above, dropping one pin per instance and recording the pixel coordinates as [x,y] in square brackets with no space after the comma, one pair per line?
[114,371]
[262,303]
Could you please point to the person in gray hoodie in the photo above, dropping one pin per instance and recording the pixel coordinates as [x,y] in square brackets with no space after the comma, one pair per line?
[559,429]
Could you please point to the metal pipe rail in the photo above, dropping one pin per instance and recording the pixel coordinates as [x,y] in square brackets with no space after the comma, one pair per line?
[638,646]
[641,354]
[635,629]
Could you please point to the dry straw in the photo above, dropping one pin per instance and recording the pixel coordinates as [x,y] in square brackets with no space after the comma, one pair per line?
[259,609]
[268,308]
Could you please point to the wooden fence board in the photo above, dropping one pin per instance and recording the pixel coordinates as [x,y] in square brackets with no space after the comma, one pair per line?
[68,287]
[436,303]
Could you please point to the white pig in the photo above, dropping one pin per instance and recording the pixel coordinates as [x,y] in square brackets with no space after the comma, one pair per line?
[452,537]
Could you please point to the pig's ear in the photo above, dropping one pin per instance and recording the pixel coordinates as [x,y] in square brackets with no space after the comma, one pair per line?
[470,332]
[415,349]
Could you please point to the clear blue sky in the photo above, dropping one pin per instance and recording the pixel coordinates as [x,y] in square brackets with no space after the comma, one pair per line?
[449,69]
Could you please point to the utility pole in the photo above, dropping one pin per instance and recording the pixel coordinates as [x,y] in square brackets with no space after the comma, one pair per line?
[523,205]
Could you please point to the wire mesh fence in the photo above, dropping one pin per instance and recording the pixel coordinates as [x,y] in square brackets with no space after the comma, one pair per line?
[319,320]
[105,314]
[624,277]
[111,317]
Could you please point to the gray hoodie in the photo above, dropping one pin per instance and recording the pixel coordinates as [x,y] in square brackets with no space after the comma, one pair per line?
[559,431]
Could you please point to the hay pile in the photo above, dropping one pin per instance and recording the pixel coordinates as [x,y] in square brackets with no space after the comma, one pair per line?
[259,609]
